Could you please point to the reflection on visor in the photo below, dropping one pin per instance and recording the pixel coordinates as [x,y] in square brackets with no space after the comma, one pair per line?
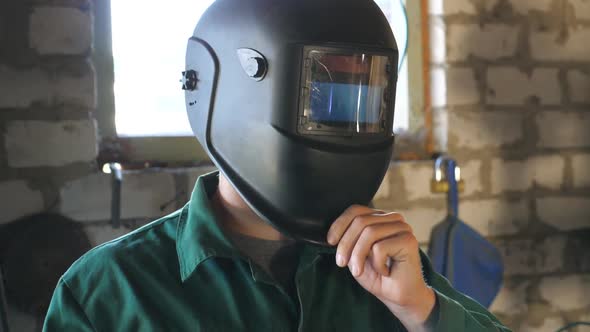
[336,103]
[347,93]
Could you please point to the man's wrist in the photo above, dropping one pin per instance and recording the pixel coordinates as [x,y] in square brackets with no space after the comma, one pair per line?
[418,316]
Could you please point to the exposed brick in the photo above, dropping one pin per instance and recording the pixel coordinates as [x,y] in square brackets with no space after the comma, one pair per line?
[194,173]
[484,130]
[440,129]
[494,217]
[510,86]
[563,129]
[545,171]
[564,213]
[40,143]
[489,41]
[526,6]
[549,324]
[423,220]
[548,45]
[512,299]
[384,188]
[579,86]
[101,233]
[459,7]
[60,30]
[21,88]
[581,9]
[462,87]
[142,195]
[417,177]
[18,200]
[509,176]
[566,293]
[75,86]
[581,170]
[471,174]
[532,257]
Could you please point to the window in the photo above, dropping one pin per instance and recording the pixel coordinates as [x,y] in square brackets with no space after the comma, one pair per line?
[139,55]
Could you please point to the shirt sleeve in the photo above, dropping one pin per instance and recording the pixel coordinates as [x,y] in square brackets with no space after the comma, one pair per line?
[458,312]
[65,313]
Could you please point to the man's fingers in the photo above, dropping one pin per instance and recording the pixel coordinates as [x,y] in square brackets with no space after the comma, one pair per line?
[368,239]
[386,253]
[352,234]
[340,225]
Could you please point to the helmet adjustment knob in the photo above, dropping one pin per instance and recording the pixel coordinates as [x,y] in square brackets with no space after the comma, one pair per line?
[189,80]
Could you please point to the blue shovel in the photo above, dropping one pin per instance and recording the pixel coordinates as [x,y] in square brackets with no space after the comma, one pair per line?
[471,263]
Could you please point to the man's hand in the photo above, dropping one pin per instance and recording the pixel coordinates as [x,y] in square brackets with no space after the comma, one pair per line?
[382,254]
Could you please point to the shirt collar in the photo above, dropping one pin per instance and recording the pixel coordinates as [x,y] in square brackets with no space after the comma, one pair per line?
[199,237]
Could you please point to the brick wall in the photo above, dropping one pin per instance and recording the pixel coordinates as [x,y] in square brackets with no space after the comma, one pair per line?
[48,132]
[510,78]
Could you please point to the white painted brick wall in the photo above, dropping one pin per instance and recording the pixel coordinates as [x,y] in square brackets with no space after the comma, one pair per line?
[494,217]
[581,9]
[480,130]
[459,7]
[566,293]
[489,41]
[40,143]
[194,173]
[21,88]
[563,129]
[564,213]
[510,86]
[545,171]
[581,170]
[142,194]
[509,176]
[461,86]
[60,30]
[549,324]
[471,173]
[423,220]
[18,200]
[526,6]
[384,190]
[417,177]
[579,86]
[547,45]
[530,257]
[512,299]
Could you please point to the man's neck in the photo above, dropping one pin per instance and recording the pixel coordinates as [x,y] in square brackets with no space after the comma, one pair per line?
[235,215]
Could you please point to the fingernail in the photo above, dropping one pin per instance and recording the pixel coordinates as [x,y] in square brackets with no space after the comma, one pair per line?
[340,260]
[355,271]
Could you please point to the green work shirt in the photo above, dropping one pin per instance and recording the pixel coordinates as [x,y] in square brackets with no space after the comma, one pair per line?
[182,273]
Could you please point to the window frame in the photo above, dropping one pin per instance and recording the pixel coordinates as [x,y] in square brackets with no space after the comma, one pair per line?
[141,152]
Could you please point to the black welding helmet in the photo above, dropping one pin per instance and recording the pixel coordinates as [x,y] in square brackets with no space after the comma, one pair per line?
[293,100]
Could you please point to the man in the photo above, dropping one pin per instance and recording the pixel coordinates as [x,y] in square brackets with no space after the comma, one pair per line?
[293,101]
